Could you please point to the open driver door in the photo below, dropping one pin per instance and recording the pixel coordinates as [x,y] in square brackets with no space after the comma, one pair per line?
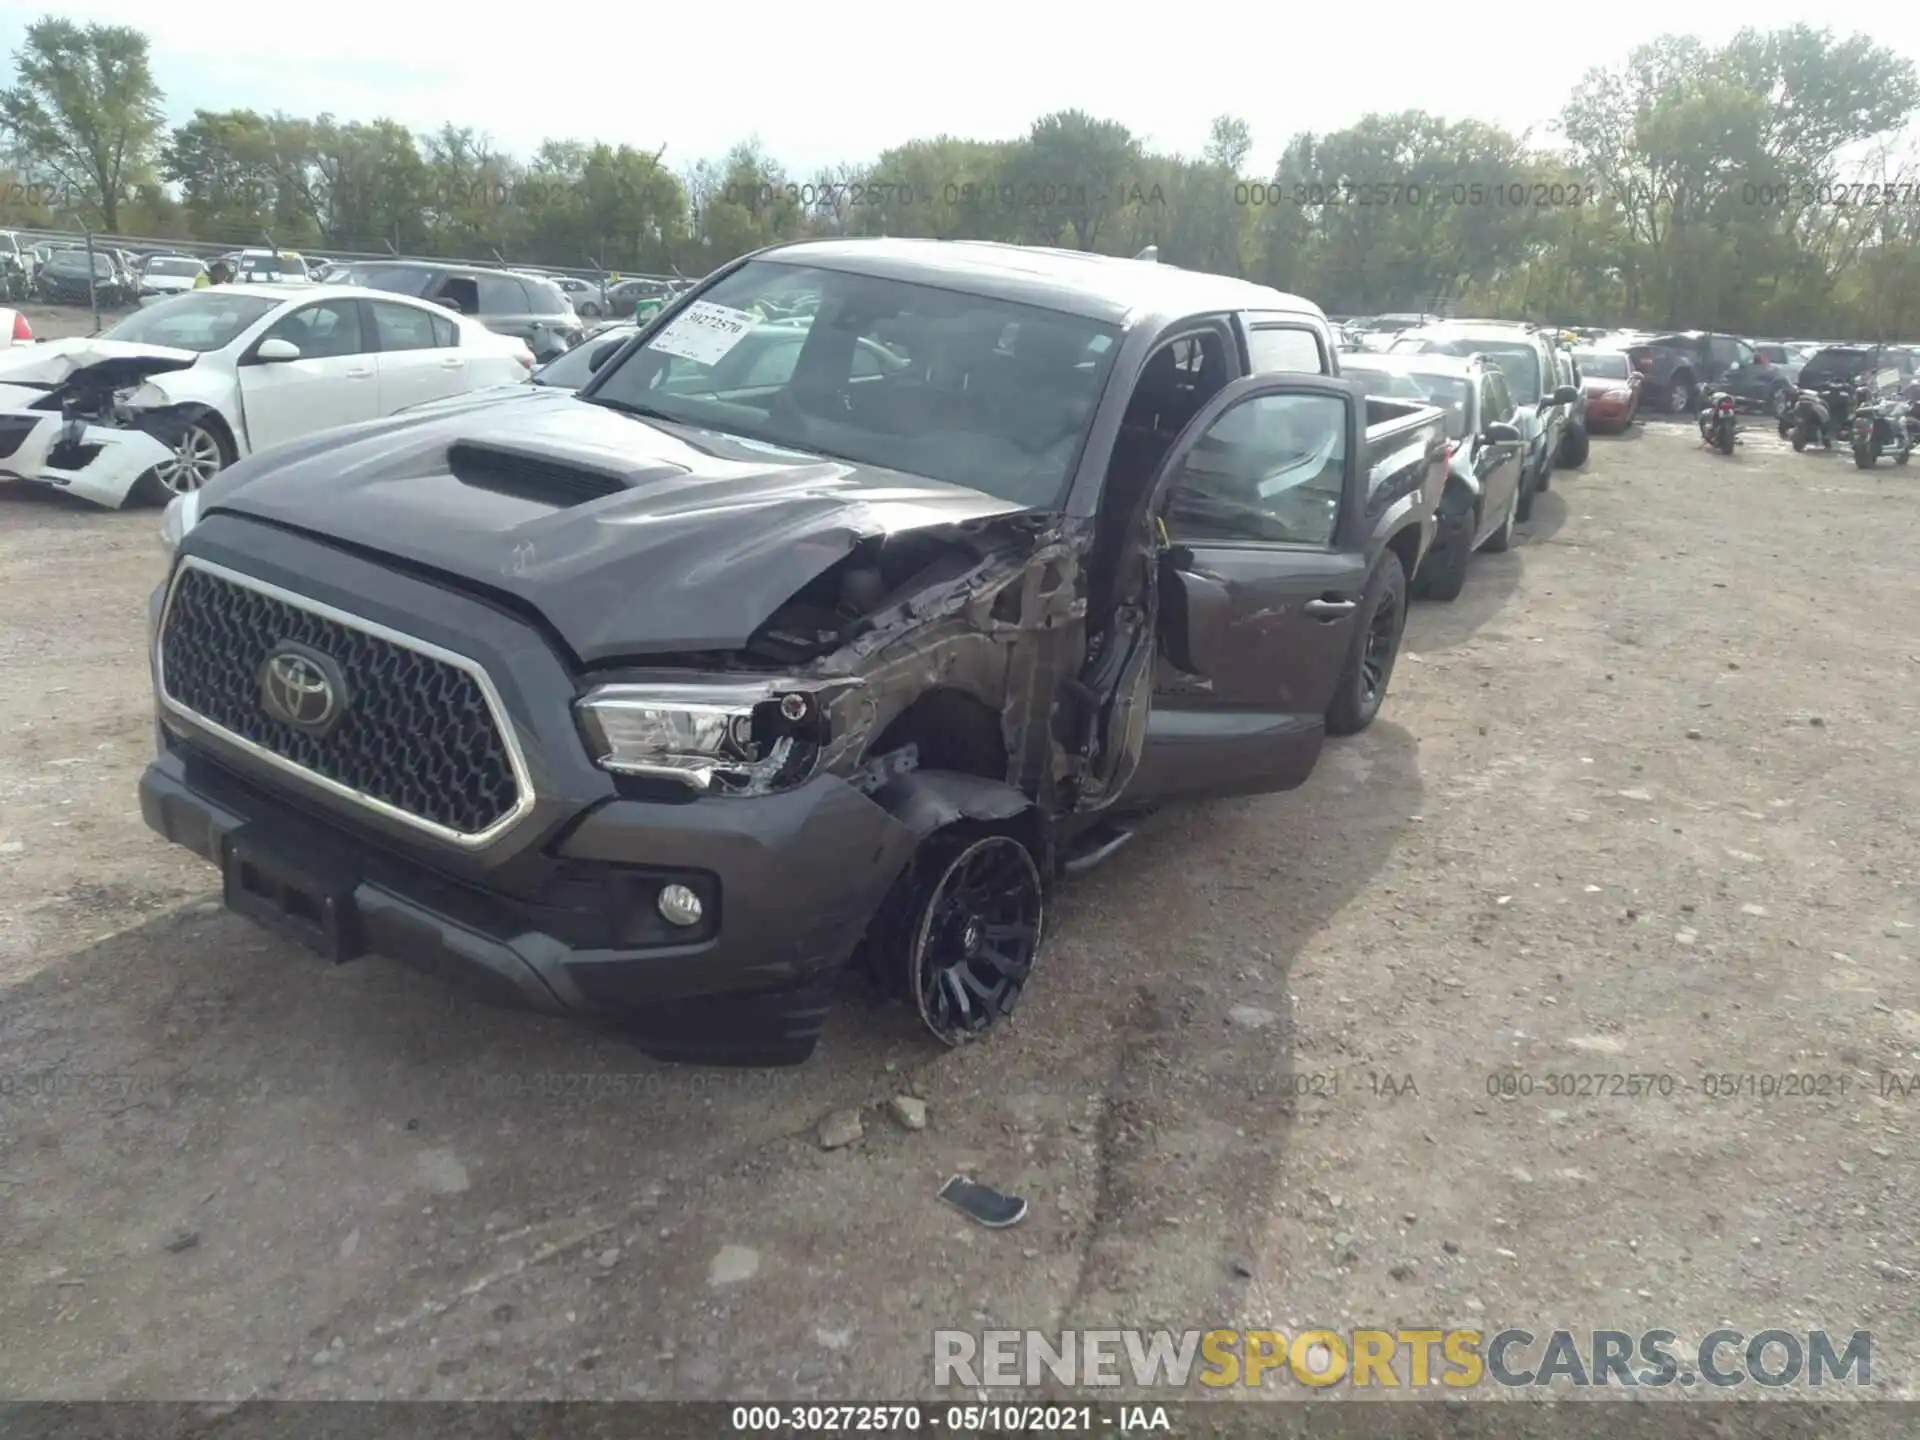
[1235,599]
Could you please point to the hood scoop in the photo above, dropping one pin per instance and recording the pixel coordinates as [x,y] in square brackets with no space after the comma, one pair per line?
[542,479]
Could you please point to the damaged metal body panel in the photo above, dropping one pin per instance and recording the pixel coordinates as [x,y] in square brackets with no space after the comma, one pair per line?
[72,419]
[693,694]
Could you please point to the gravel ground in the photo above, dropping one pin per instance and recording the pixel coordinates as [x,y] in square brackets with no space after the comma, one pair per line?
[1642,802]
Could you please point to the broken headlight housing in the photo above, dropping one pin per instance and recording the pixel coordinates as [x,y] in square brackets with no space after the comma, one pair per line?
[732,739]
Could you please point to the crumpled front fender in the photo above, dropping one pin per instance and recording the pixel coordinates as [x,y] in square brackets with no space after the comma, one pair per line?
[928,800]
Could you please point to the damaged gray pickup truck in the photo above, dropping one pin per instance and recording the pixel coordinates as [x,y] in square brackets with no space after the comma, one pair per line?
[783,644]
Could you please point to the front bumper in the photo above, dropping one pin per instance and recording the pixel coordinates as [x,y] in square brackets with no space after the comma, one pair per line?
[790,882]
[101,463]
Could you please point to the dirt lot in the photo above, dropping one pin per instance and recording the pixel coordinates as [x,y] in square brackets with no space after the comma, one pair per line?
[1642,802]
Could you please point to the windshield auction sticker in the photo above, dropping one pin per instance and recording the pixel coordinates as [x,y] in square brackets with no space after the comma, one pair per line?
[704,333]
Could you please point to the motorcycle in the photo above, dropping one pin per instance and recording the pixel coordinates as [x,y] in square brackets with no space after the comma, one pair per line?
[1719,422]
[1883,427]
[1818,416]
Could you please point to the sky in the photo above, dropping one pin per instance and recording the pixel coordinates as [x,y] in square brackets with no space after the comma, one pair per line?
[875,75]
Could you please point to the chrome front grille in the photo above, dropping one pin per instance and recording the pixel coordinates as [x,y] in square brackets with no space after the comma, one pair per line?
[419,734]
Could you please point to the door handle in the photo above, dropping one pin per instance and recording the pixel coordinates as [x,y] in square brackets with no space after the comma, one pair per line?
[1330,609]
[359,374]
[453,362]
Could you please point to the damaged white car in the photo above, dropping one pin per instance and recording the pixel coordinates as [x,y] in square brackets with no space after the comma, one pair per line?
[164,400]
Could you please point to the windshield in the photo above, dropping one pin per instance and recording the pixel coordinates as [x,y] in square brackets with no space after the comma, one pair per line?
[573,369]
[202,320]
[931,381]
[1450,392]
[174,267]
[1520,363]
[1605,364]
[1453,394]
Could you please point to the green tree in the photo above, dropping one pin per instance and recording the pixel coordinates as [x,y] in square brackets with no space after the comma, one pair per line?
[84,110]
[365,184]
[1071,179]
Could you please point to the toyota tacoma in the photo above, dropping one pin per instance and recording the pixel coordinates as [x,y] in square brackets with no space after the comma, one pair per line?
[658,703]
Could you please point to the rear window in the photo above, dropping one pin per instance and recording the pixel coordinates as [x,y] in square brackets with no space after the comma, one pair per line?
[1835,365]
[547,297]
[503,295]
[1604,364]
[414,280]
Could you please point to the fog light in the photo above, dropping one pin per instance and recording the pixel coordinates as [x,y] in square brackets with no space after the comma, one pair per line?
[679,905]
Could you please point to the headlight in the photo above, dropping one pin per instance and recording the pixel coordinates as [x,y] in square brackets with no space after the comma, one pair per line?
[178,518]
[734,739]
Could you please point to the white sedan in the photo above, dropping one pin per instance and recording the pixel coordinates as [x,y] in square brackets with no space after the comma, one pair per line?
[160,403]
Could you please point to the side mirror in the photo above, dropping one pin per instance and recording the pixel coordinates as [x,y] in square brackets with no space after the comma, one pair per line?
[1499,432]
[602,354]
[1566,395]
[277,351]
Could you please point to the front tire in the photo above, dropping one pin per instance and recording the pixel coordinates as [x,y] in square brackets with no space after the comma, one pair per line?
[1376,646]
[1864,457]
[1680,395]
[964,927]
[1799,439]
[1574,448]
[200,452]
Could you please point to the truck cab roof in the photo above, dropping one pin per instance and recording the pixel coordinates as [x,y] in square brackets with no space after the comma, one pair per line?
[1095,287]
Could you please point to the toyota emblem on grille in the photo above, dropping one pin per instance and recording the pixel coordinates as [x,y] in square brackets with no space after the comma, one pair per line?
[303,688]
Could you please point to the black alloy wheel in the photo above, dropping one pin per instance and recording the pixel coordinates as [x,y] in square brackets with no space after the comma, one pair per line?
[1363,682]
[981,915]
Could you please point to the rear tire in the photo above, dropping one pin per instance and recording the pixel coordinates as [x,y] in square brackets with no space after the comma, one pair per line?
[1680,397]
[1574,447]
[1527,491]
[1443,574]
[1376,646]
[1501,540]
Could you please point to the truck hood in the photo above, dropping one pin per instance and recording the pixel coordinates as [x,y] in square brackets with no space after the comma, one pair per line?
[109,363]
[629,538]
